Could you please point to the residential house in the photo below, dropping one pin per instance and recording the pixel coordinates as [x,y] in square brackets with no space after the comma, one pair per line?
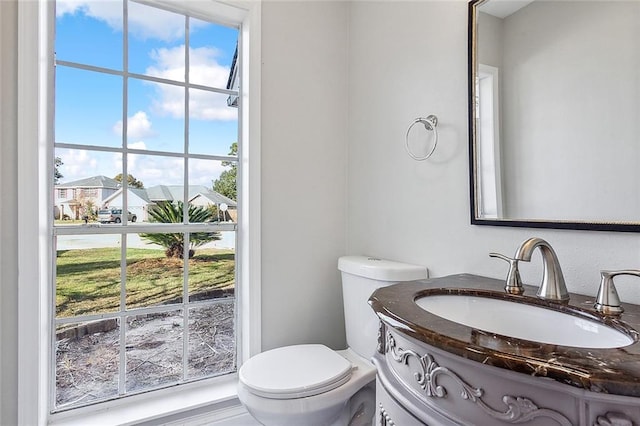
[81,197]
[198,195]
[140,201]
[226,207]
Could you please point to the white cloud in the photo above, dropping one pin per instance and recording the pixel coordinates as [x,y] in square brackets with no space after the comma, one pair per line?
[204,172]
[138,145]
[204,69]
[108,11]
[150,22]
[144,22]
[138,126]
[69,6]
[153,170]
[79,164]
[132,163]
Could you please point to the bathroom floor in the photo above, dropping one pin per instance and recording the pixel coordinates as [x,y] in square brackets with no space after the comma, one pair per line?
[243,420]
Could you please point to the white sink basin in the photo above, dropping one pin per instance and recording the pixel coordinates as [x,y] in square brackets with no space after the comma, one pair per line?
[528,322]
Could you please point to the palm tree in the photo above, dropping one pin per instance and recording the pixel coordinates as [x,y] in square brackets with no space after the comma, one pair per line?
[174,243]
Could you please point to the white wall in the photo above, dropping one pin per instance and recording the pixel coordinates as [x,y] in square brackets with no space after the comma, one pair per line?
[490,40]
[8,215]
[571,97]
[303,143]
[409,59]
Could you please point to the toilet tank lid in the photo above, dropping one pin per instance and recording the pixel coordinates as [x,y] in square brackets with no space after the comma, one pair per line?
[381,269]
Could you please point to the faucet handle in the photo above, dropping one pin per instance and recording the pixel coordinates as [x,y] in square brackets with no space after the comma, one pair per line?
[513,283]
[607,300]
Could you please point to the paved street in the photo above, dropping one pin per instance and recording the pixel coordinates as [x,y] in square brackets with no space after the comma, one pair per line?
[69,242]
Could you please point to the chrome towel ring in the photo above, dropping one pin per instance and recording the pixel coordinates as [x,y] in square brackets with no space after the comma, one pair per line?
[430,123]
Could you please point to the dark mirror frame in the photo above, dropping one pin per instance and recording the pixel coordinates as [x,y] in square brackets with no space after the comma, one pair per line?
[520,223]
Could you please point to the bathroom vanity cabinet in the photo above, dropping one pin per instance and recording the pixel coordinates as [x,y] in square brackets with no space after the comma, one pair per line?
[440,373]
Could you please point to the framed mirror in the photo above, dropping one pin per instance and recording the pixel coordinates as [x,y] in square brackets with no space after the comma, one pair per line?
[554,113]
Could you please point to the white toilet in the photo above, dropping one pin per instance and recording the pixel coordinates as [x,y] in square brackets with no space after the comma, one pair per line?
[312,385]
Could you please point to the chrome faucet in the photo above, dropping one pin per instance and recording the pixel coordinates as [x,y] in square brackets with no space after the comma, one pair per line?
[552,286]
[607,300]
[513,284]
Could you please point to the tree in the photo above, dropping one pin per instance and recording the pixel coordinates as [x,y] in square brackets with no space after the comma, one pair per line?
[87,207]
[174,243]
[57,162]
[226,183]
[132,182]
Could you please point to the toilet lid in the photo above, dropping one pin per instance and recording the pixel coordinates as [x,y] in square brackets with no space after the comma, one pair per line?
[295,372]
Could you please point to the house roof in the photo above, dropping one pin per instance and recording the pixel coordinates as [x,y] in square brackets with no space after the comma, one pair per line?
[140,193]
[215,198]
[169,192]
[175,193]
[92,182]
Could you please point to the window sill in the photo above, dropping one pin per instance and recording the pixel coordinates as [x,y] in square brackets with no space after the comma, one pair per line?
[162,406]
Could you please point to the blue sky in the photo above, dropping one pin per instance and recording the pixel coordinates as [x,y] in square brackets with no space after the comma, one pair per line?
[89,105]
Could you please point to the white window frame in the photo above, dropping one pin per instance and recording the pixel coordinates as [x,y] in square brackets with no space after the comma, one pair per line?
[35,263]
[489,155]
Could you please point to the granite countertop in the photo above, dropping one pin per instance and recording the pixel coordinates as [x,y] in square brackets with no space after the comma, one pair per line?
[614,371]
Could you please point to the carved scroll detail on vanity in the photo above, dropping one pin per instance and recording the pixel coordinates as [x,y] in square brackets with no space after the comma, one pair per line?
[381,330]
[519,409]
[430,370]
[385,419]
[613,419]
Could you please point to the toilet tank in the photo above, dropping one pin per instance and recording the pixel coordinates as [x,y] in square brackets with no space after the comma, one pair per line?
[361,276]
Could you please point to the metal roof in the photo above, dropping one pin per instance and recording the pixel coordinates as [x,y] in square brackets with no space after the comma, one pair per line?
[175,193]
[215,198]
[92,182]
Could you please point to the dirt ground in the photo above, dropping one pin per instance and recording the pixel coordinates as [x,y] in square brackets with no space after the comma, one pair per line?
[87,368]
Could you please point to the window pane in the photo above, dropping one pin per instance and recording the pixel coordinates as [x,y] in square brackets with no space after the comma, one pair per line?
[156,42]
[87,362]
[213,125]
[154,350]
[160,190]
[212,187]
[162,178]
[100,23]
[154,275]
[212,342]
[211,51]
[87,274]
[212,266]
[85,183]
[156,116]
[88,107]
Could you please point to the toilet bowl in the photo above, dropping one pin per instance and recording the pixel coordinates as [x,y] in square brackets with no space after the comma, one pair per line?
[316,390]
[313,385]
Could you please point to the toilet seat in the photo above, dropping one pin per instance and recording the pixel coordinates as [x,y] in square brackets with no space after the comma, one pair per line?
[295,372]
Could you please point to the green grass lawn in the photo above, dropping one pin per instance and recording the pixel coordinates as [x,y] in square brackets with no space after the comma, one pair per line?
[88,281]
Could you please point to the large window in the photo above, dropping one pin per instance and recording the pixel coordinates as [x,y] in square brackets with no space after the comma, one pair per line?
[146,132]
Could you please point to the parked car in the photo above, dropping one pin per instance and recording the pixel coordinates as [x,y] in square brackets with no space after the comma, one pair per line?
[114,215]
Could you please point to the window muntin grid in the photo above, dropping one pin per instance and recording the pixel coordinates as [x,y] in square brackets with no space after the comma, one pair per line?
[177,160]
